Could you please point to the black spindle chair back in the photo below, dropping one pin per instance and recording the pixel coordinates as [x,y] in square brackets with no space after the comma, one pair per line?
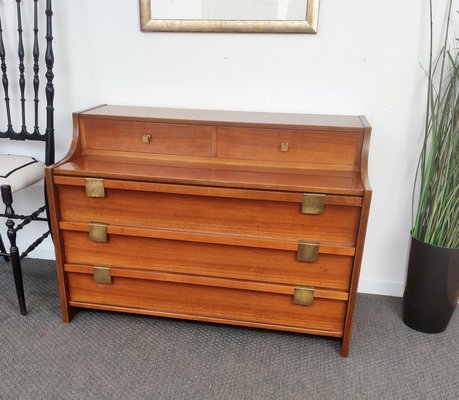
[23,133]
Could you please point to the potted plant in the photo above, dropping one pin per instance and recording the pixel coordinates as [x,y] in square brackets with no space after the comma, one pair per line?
[432,288]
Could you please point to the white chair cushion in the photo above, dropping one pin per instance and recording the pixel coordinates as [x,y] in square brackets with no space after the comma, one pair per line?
[20,171]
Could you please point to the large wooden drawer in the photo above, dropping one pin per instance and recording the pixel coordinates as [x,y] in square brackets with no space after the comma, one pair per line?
[227,211]
[209,259]
[191,140]
[211,303]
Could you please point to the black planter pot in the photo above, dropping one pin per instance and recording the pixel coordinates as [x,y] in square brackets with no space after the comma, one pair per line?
[432,287]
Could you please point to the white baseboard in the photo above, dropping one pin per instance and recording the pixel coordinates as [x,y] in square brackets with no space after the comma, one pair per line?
[385,288]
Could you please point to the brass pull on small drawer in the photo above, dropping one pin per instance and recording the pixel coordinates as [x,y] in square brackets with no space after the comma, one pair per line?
[308,251]
[102,274]
[94,187]
[146,139]
[284,147]
[98,232]
[312,203]
[303,296]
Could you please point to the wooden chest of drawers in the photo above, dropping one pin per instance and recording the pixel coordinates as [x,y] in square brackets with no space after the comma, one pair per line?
[250,219]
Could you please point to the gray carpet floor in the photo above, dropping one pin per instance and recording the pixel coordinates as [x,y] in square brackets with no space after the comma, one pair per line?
[104,355]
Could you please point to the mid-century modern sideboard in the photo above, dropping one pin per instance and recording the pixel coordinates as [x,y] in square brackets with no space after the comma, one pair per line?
[253,219]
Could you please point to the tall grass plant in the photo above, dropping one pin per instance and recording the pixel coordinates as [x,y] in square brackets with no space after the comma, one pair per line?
[437,179]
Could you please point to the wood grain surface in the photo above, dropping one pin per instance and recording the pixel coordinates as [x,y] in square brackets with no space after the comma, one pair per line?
[192,140]
[210,214]
[303,146]
[226,118]
[209,301]
[280,243]
[214,174]
[208,259]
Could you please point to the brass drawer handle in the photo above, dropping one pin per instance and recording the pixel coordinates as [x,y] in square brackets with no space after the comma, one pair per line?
[102,274]
[146,139]
[284,147]
[308,251]
[94,187]
[98,232]
[313,203]
[303,296]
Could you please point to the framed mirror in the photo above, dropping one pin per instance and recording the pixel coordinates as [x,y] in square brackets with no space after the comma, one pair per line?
[272,16]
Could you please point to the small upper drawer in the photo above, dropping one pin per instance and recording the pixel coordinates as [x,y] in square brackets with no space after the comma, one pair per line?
[297,146]
[146,137]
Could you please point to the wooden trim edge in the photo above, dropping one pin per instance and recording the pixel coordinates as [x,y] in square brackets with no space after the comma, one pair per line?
[365,153]
[355,275]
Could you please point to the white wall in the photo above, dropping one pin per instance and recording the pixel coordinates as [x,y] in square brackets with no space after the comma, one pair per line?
[364,60]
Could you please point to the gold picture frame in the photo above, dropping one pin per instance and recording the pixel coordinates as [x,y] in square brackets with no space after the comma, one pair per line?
[308,25]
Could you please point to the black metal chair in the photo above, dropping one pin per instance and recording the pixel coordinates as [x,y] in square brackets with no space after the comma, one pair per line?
[18,172]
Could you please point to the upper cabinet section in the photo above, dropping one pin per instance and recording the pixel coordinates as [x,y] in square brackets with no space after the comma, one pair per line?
[274,151]
[288,140]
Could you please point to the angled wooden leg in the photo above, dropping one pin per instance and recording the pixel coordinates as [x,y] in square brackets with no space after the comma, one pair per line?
[14,251]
